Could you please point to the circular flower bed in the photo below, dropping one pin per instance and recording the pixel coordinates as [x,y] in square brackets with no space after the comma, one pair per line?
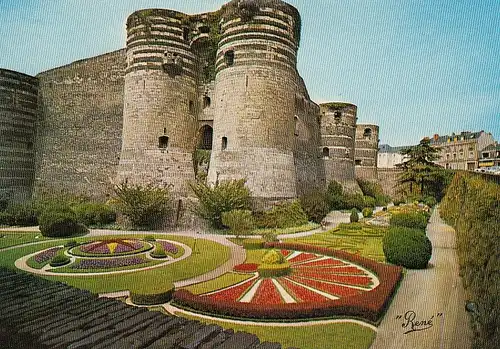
[322,282]
[111,248]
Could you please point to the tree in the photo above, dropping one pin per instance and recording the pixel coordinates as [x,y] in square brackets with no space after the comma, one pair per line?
[240,222]
[419,168]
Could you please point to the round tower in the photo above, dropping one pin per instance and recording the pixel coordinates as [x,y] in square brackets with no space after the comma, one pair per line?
[338,132]
[160,101]
[366,151]
[18,112]
[255,85]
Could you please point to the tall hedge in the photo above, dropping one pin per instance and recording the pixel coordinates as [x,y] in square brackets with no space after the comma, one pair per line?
[472,207]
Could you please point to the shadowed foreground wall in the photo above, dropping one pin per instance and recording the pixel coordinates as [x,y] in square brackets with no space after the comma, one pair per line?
[79,130]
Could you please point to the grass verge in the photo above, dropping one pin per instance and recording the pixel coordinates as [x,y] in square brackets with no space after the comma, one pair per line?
[222,281]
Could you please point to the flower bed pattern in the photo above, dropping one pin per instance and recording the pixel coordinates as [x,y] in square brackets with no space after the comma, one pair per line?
[168,246]
[320,285]
[112,247]
[246,268]
[108,263]
[47,255]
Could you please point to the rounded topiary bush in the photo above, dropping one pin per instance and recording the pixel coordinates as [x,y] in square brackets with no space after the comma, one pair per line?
[354,217]
[59,260]
[367,212]
[417,220]
[55,223]
[156,294]
[407,247]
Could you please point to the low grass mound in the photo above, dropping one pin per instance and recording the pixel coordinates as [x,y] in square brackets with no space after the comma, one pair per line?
[407,247]
[157,293]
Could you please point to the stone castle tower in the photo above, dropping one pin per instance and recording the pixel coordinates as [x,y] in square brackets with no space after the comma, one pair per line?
[224,83]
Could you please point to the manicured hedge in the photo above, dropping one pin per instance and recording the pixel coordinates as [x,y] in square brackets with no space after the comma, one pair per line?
[156,295]
[472,207]
[253,244]
[60,223]
[368,305]
[417,220]
[274,270]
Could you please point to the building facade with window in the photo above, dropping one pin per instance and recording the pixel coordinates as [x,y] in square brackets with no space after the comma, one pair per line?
[490,156]
[461,151]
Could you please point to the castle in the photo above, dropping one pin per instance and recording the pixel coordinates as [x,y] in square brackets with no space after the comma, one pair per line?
[224,82]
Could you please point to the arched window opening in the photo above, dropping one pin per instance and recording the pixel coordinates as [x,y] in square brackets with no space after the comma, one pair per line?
[224,143]
[206,135]
[367,133]
[206,102]
[229,57]
[191,107]
[326,152]
[162,142]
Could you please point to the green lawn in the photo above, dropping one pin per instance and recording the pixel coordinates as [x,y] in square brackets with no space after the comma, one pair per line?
[356,238]
[321,336]
[11,238]
[222,281]
[210,256]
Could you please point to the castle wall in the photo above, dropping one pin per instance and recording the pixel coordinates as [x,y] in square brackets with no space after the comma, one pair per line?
[255,89]
[338,133]
[79,130]
[18,112]
[365,157]
[387,177]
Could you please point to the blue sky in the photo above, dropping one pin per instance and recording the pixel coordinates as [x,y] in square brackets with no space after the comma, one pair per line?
[415,68]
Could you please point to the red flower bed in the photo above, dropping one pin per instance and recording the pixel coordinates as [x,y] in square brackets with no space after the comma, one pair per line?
[369,305]
[331,270]
[267,293]
[246,268]
[321,263]
[302,257]
[300,293]
[233,293]
[334,290]
[285,252]
[353,280]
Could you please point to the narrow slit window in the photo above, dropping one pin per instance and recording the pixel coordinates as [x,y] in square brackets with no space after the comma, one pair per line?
[224,143]
[357,162]
[206,102]
[229,57]
[185,33]
[162,142]
[337,116]
[191,107]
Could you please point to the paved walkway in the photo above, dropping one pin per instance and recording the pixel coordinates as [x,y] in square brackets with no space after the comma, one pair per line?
[435,295]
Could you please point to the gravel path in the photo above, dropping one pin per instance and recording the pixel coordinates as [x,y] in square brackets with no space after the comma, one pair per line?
[435,295]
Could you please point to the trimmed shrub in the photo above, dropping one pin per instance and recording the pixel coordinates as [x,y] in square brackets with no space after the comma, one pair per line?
[95,214]
[315,205]
[373,190]
[356,201]
[225,196]
[159,252]
[273,257]
[60,224]
[270,236]
[274,270]
[367,212]
[407,247]
[417,220]
[71,244]
[368,201]
[145,206]
[240,222]
[157,293]
[22,214]
[283,215]
[59,259]
[354,217]
[149,238]
[253,244]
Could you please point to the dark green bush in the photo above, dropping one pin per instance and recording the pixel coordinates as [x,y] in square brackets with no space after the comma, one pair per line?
[356,201]
[367,212]
[23,214]
[157,293]
[94,214]
[368,202]
[429,201]
[59,260]
[240,222]
[223,197]
[407,247]
[374,190]
[60,224]
[417,220]
[315,206]
[335,196]
[6,218]
[145,206]
[354,217]
[282,215]
[71,244]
